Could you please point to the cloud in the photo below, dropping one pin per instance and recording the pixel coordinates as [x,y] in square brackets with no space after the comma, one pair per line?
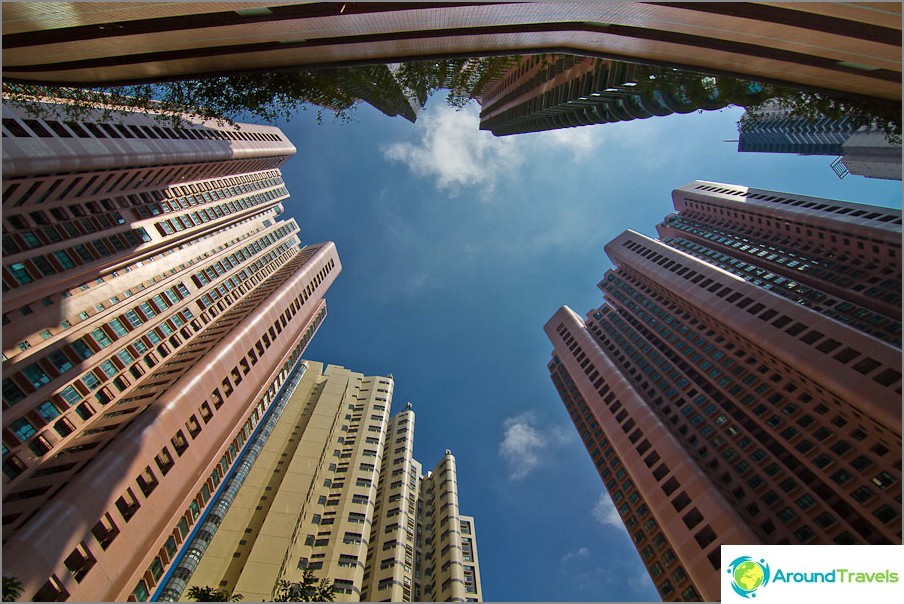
[524,446]
[605,513]
[577,554]
[581,141]
[521,446]
[454,152]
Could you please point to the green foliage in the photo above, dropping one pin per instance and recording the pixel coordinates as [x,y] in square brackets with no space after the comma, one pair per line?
[209,594]
[266,97]
[273,96]
[306,590]
[12,589]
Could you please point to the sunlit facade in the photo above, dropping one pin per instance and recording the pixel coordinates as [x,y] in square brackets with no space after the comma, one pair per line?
[153,305]
[742,382]
[337,491]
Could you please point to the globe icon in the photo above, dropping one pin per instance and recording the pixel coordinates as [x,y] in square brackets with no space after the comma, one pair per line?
[748,575]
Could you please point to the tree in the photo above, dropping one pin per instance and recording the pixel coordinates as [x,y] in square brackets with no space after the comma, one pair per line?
[267,96]
[209,594]
[306,590]
[12,589]
[465,79]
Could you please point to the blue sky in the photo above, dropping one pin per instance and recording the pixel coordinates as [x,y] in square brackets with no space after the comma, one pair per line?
[456,248]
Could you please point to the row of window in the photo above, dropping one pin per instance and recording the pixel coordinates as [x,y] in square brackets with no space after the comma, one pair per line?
[840,447]
[13,466]
[191,261]
[241,256]
[40,190]
[859,317]
[193,512]
[101,306]
[63,228]
[650,543]
[35,376]
[887,376]
[882,214]
[789,435]
[669,299]
[147,203]
[128,504]
[38,267]
[48,128]
[881,251]
[214,212]
[884,286]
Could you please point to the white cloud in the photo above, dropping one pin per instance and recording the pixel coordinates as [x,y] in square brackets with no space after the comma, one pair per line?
[581,141]
[604,511]
[521,446]
[455,152]
[524,446]
[575,555]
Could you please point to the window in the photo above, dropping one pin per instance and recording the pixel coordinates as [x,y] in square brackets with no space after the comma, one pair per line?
[22,428]
[705,536]
[47,410]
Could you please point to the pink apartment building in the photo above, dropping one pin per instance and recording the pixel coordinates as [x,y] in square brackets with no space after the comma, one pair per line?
[742,382]
[153,306]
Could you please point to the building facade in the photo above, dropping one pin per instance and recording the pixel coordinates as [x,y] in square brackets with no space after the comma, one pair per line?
[863,151]
[378,86]
[153,306]
[850,48]
[742,382]
[551,92]
[336,490]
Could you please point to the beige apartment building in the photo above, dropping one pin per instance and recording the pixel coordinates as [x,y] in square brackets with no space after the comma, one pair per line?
[154,306]
[335,489]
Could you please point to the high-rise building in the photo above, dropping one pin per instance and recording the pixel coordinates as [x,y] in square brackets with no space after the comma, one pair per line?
[153,305]
[742,382]
[378,86]
[847,47]
[335,489]
[862,150]
[551,92]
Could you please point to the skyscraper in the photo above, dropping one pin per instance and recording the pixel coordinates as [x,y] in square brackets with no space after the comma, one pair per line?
[864,151]
[848,47]
[378,86]
[551,92]
[742,382]
[153,306]
[335,489]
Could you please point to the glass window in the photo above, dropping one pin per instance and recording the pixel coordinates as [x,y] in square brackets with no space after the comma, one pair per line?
[22,428]
[81,349]
[47,410]
[35,375]
[101,338]
[70,395]
[60,361]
